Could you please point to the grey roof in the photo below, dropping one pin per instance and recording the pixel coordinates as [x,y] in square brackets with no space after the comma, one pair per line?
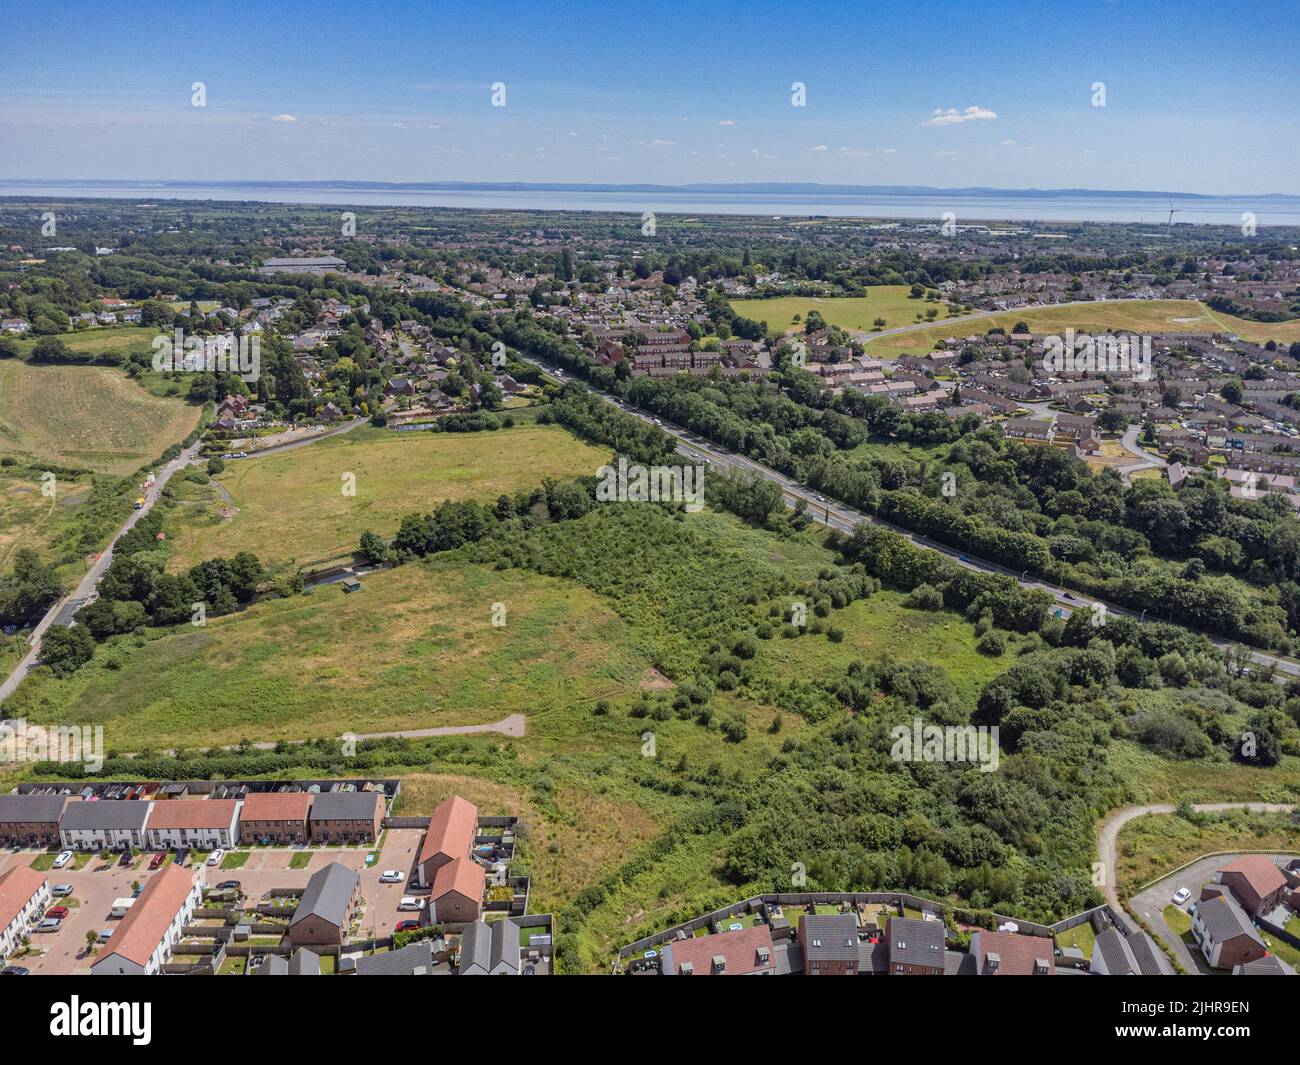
[31,808]
[1269,965]
[1224,919]
[304,963]
[1112,956]
[914,942]
[1150,958]
[106,814]
[414,959]
[273,966]
[958,963]
[873,958]
[328,892]
[829,937]
[487,945]
[344,806]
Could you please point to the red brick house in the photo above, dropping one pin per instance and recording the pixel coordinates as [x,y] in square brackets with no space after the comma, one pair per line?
[457,895]
[450,836]
[1224,931]
[1008,954]
[274,817]
[746,952]
[346,817]
[1256,882]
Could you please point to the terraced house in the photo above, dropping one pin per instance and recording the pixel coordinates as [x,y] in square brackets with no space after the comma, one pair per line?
[143,942]
[109,824]
[30,820]
[274,817]
[24,893]
[203,823]
[346,817]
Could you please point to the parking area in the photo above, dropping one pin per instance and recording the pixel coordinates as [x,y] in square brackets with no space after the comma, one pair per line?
[100,881]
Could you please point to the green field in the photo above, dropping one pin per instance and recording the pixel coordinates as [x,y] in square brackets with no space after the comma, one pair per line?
[86,417]
[854,313]
[291,505]
[1136,316]
[119,340]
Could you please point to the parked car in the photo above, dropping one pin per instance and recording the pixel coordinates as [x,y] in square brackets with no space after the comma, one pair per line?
[1181,896]
[391,876]
[105,934]
[228,885]
[216,856]
[49,924]
[157,859]
[125,859]
[57,912]
[182,855]
[410,902]
[15,970]
[63,859]
[406,926]
[60,891]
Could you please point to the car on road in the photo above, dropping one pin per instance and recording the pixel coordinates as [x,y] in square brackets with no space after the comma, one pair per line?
[60,891]
[1181,896]
[157,859]
[391,876]
[57,912]
[1069,597]
[964,558]
[228,885]
[63,859]
[406,926]
[216,856]
[49,924]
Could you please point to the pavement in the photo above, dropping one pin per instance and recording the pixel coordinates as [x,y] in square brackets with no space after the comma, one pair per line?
[844,518]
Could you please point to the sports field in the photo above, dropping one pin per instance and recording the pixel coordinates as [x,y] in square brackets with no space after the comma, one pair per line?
[292,505]
[856,313]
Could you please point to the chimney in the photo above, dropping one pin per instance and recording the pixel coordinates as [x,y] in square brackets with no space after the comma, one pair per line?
[993,962]
[719,964]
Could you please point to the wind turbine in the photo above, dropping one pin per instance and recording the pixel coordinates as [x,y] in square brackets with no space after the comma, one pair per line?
[1172,212]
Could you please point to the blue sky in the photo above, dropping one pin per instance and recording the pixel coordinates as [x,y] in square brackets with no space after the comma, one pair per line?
[1199,97]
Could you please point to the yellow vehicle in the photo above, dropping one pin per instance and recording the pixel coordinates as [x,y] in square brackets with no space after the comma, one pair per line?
[139,503]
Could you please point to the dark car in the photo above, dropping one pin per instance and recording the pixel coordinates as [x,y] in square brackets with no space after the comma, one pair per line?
[125,859]
[15,970]
[228,885]
[182,855]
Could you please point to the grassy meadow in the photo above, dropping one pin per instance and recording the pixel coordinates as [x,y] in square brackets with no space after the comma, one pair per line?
[290,505]
[86,417]
[893,303]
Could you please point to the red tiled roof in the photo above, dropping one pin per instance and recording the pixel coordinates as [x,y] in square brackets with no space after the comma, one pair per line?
[276,806]
[193,813]
[740,949]
[17,887]
[1260,872]
[462,875]
[1017,954]
[147,920]
[451,829]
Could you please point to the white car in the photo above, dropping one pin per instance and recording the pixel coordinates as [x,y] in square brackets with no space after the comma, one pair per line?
[391,876]
[1181,896]
[216,856]
[63,859]
[410,902]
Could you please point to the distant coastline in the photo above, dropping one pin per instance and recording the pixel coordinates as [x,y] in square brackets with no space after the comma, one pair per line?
[897,202]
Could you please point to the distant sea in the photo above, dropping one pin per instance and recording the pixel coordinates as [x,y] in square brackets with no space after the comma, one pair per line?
[970,206]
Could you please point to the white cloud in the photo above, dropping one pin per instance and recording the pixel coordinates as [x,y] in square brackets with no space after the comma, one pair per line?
[727,122]
[821,148]
[1007,143]
[284,118]
[952,117]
